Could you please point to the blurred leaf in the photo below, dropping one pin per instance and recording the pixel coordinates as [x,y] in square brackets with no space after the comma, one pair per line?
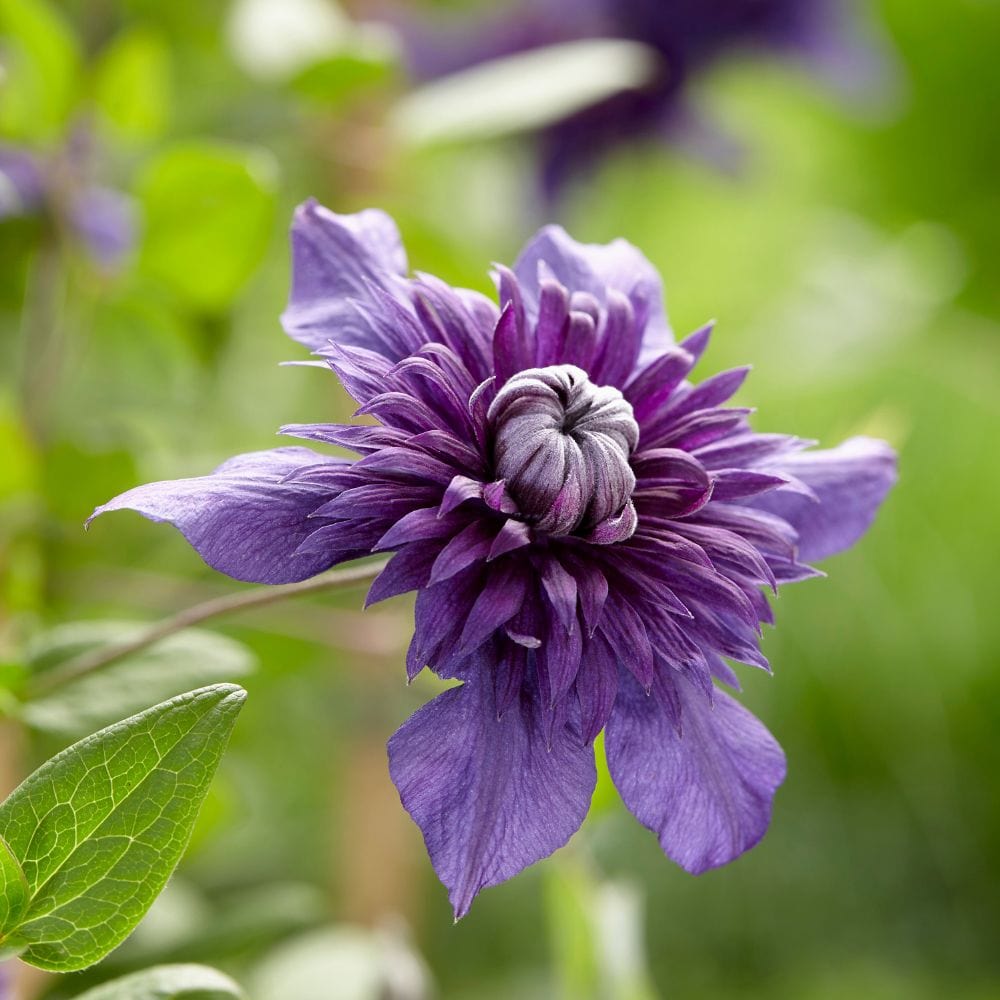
[168,982]
[365,965]
[132,83]
[208,211]
[343,75]
[100,827]
[597,933]
[522,92]
[273,39]
[41,64]
[189,659]
[13,890]
[183,925]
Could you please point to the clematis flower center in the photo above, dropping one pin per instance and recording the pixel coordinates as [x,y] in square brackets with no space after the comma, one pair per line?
[562,446]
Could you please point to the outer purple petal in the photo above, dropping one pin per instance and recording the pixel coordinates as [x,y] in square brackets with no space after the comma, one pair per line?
[597,268]
[489,795]
[706,793]
[243,519]
[851,482]
[22,181]
[339,264]
[105,221]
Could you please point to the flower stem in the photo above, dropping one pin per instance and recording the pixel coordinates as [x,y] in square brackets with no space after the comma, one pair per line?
[98,659]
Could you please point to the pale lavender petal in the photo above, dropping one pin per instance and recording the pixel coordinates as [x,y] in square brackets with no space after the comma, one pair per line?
[22,181]
[706,792]
[105,221]
[245,519]
[490,796]
[851,481]
[343,267]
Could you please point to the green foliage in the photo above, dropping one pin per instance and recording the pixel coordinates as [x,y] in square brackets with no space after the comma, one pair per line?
[13,889]
[132,84]
[183,661]
[343,75]
[168,982]
[208,210]
[100,827]
[597,934]
[41,68]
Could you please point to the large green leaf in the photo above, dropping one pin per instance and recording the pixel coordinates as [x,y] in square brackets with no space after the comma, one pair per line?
[168,982]
[132,83]
[186,660]
[41,67]
[100,827]
[208,210]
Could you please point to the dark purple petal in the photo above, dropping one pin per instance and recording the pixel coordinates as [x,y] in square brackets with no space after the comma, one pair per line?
[705,792]
[596,687]
[336,260]
[513,535]
[245,519]
[625,632]
[597,269]
[850,482]
[490,795]
[409,569]
[470,545]
[496,603]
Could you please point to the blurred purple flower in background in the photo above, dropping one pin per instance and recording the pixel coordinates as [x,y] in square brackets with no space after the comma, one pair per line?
[689,36]
[587,531]
[59,184]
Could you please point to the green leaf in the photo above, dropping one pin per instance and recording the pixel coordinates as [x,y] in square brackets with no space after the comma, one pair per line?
[132,84]
[344,75]
[13,889]
[596,928]
[208,211]
[187,660]
[41,64]
[100,827]
[168,982]
[522,92]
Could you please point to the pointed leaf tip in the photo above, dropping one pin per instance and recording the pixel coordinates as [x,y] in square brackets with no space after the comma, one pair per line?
[100,855]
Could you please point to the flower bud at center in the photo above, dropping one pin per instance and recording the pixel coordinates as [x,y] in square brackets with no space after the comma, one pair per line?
[562,446]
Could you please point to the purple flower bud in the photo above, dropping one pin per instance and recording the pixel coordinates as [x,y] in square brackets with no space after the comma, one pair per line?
[562,445]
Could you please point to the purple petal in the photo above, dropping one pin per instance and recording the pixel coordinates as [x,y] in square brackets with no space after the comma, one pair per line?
[245,519]
[851,481]
[596,687]
[22,181]
[596,268]
[489,795]
[105,221]
[337,261]
[707,793]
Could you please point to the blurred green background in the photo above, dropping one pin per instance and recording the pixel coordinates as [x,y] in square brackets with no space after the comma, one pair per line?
[853,258]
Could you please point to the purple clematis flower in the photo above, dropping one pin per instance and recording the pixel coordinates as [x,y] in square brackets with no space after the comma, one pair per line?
[588,533]
[100,218]
[689,35]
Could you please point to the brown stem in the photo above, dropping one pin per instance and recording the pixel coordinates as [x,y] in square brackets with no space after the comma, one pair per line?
[98,659]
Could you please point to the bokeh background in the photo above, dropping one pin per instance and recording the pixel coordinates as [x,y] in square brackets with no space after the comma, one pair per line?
[849,247]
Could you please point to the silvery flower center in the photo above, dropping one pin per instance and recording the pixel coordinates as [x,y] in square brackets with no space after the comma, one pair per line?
[562,446]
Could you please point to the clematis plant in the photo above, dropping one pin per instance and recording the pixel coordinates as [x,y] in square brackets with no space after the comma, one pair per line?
[689,36]
[590,535]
